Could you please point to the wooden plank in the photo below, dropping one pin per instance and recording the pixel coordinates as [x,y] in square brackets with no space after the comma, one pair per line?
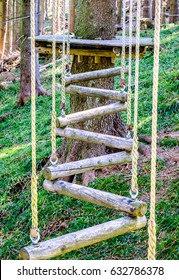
[95,43]
[106,199]
[98,74]
[97,92]
[82,238]
[84,165]
[96,138]
[89,52]
[91,114]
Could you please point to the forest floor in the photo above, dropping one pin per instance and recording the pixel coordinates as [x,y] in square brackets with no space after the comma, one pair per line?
[60,215]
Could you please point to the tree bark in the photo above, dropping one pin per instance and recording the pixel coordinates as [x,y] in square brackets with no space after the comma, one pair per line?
[119,11]
[94,19]
[72,16]
[1,26]
[153,9]
[174,16]
[147,9]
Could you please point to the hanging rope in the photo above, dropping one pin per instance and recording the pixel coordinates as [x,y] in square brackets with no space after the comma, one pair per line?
[152,225]
[122,82]
[68,40]
[53,158]
[63,104]
[34,233]
[129,128]
[134,183]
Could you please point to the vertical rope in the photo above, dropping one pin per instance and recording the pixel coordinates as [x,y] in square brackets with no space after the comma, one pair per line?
[152,225]
[123,43]
[130,67]
[53,123]
[63,105]
[34,230]
[134,185]
[68,41]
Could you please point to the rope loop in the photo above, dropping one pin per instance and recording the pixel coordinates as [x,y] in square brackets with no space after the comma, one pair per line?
[54,159]
[34,235]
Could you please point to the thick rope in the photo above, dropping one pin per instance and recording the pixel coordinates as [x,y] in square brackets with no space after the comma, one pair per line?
[123,44]
[130,68]
[34,230]
[152,225]
[63,105]
[53,124]
[134,185]
[68,40]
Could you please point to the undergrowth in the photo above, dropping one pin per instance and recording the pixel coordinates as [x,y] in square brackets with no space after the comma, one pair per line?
[57,211]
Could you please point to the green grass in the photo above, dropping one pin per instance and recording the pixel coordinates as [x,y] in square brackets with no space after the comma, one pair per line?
[15,171]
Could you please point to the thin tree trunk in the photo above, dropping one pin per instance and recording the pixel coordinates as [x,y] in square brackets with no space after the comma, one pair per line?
[174,16]
[119,11]
[5,27]
[153,9]
[25,65]
[147,9]
[10,27]
[164,4]
[72,16]
[1,26]
[94,19]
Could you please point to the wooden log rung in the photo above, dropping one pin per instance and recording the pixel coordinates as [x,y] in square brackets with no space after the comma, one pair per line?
[95,138]
[87,76]
[84,165]
[91,113]
[106,199]
[97,92]
[82,238]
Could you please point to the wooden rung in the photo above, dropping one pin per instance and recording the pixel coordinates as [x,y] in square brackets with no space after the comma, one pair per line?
[95,138]
[90,114]
[106,199]
[106,73]
[97,92]
[84,165]
[82,238]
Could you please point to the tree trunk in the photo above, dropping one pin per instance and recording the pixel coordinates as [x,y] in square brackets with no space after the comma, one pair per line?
[6,7]
[42,18]
[25,65]
[174,16]
[164,4]
[153,9]
[72,16]
[147,9]
[94,19]
[1,26]
[119,11]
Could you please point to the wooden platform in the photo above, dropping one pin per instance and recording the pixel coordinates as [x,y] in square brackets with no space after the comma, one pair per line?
[104,48]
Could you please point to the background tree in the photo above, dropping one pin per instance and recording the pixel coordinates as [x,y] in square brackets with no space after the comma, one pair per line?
[153,9]
[1,26]
[119,11]
[94,19]
[174,11]
[25,64]
[147,9]
[72,15]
